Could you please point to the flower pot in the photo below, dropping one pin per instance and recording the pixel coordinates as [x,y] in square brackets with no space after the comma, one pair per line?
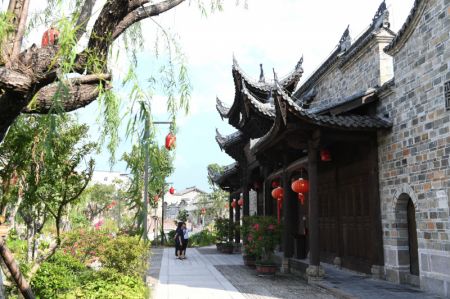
[228,249]
[266,269]
[249,261]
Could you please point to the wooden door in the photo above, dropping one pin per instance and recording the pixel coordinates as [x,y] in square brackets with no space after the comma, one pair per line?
[412,239]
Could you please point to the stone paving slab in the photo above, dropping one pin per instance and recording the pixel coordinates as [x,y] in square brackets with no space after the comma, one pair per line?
[354,285]
[193,278]
[279,286]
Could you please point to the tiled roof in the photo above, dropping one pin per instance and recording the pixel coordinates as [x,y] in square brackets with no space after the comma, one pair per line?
[339,102]
[228,170]
[408,27]
[265,109]
[222,109]
[225,141]
[362,122]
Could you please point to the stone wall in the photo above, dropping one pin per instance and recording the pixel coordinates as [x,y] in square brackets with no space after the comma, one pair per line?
[414,156]
[368,68]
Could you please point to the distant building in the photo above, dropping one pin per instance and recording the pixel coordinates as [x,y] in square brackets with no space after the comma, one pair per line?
[186,199]
[109,177]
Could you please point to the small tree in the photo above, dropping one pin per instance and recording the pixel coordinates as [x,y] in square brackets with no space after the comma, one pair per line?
[183,215]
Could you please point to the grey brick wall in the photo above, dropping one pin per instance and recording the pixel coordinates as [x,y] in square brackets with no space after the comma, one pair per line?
[414,157]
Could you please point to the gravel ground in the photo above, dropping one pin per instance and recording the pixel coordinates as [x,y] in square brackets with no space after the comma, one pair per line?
[280,286]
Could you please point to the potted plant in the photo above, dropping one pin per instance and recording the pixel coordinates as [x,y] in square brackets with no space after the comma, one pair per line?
[228,247]
[249,253]
[221,232]
[265,233]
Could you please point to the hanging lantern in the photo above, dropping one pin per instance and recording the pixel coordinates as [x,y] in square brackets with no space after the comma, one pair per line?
[156,198]
[172,190]
[170,141]
[300,186]
[203,211]
[275,184]
[325,155]
[50,37]
[278,194]
[233,204]
[240,202]
[227,206]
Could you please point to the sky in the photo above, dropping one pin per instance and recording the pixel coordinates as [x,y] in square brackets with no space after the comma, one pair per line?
[275,33]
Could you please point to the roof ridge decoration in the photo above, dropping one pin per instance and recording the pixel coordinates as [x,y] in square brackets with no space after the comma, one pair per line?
[290,82]
[381,18]
[226,171]
[408,27]
[261,74]
[346,41]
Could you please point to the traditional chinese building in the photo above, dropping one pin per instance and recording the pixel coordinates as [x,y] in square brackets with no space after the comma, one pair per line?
[369,130]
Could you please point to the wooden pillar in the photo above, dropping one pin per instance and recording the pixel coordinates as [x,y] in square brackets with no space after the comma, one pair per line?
[231,220]
[268,200]
[314,270]
[246,194]
[289,213]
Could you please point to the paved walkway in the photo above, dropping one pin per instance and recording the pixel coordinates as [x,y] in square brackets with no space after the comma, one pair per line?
[196,277]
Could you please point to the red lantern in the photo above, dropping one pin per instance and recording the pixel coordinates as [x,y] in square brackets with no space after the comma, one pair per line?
[233,204]
[278,194]
[227,206]
[156,198]
[241,202]
[170,141]
[300,186]
[325,155]
[50,37]
[172,190]
[203,211]
[275,184]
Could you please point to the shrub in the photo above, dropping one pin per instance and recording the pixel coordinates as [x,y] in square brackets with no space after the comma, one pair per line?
[84,245]
[108,283]
[125,254]
[203,238]
[57,276]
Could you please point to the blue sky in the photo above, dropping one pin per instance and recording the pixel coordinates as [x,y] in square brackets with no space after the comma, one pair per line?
[275,33]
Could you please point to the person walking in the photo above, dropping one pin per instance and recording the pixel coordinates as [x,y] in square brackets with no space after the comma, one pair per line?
[179,235]
[185,240]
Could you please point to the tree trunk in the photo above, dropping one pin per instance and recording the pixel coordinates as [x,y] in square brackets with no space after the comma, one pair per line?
[20,281]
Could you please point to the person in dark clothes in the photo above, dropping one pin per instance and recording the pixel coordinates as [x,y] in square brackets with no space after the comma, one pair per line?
[179,240]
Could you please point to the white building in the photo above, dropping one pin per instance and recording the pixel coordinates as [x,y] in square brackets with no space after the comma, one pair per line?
[109,177]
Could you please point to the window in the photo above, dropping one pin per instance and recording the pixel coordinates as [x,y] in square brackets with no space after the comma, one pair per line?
[447,94]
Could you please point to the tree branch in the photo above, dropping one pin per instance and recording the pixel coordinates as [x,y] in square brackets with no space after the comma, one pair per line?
[20,30]
[83,19]
[81,92]
[14,81]
[143,13]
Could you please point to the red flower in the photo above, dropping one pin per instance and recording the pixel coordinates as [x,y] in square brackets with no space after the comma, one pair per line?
[256,226]
[271,227]
[250,238]
[260,238]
